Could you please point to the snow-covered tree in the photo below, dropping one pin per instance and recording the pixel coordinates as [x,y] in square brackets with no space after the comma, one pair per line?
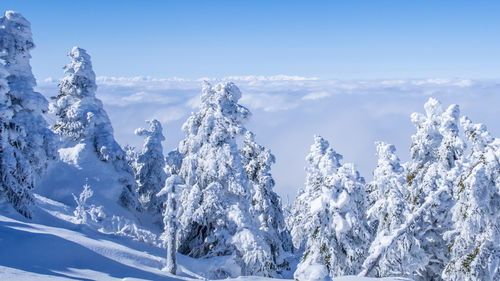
[475,248]
[27,143]
[131,155]
[82,119]
[266,204]
[173,162]
[170,221]
[388,212]
[81,212]
[340,234]
[388,208]
[215,213]
[435,149]
[149,167]
[321,162]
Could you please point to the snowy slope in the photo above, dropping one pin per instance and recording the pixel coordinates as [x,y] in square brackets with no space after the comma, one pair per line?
[53,247]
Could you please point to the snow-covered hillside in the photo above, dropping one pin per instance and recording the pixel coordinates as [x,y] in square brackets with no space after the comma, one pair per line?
[52,246]
[75,204]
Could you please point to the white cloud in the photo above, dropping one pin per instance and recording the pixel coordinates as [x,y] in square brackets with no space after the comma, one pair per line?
[268,102]
[194,102]
[350,114]
[143,97]
[316,95]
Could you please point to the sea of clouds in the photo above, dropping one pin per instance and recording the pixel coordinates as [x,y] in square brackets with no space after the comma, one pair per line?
[289,110]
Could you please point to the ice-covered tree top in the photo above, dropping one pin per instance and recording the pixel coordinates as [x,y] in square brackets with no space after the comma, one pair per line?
[15,21]
[477,134]
[149,166]
[321,161]
[15,46]
[15,43]
[388,161]
[427,138]
[210,149]
[257,160]
[81,113]
[436,138]
[220,117]
[80,81]
[153,134]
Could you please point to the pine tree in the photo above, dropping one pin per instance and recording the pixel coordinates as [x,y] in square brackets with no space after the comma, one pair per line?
[170,221]
[475,252]
[82,119]
[388,212]
[215,216]
[388,208]
[173,185]
[149,167]
[131,155]
[27,143]
[340,234]
[435,149]
[81,204]
[266,204]
[321,162]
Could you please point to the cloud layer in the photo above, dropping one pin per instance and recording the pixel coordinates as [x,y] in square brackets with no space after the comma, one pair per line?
[289,110]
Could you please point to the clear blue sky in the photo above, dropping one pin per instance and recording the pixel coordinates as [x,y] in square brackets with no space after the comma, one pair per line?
[327,39]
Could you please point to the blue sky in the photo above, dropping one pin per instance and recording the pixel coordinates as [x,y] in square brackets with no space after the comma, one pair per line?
[326,39]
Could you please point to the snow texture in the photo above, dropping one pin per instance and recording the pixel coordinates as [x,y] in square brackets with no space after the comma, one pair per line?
[340,235]
[388,212]
[83,121]
[475,250]
[266,204]
[149,168]
[216,217]
[435,217]
[27,144]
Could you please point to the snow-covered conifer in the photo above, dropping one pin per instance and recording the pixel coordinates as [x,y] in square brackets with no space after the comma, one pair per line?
[388,209]
[388,212]
[215,214]
[321,162]
[149,167]
[340,236]
[475,249]
[81,212]
[27,143]
[131,155]
[435,149]
[266,204]
[173,162]
[82,119]
[170,221]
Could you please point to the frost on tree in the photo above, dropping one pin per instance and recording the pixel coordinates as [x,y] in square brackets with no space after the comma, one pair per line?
[435,149]
[81,212]
[215,213]
[388,212]
[149,166]
[336,215]
[387,190]
[475,248]
[169,193]
[266,204]
[131,155]
[170,222]
[321,162]
[82,119]
[27,143]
